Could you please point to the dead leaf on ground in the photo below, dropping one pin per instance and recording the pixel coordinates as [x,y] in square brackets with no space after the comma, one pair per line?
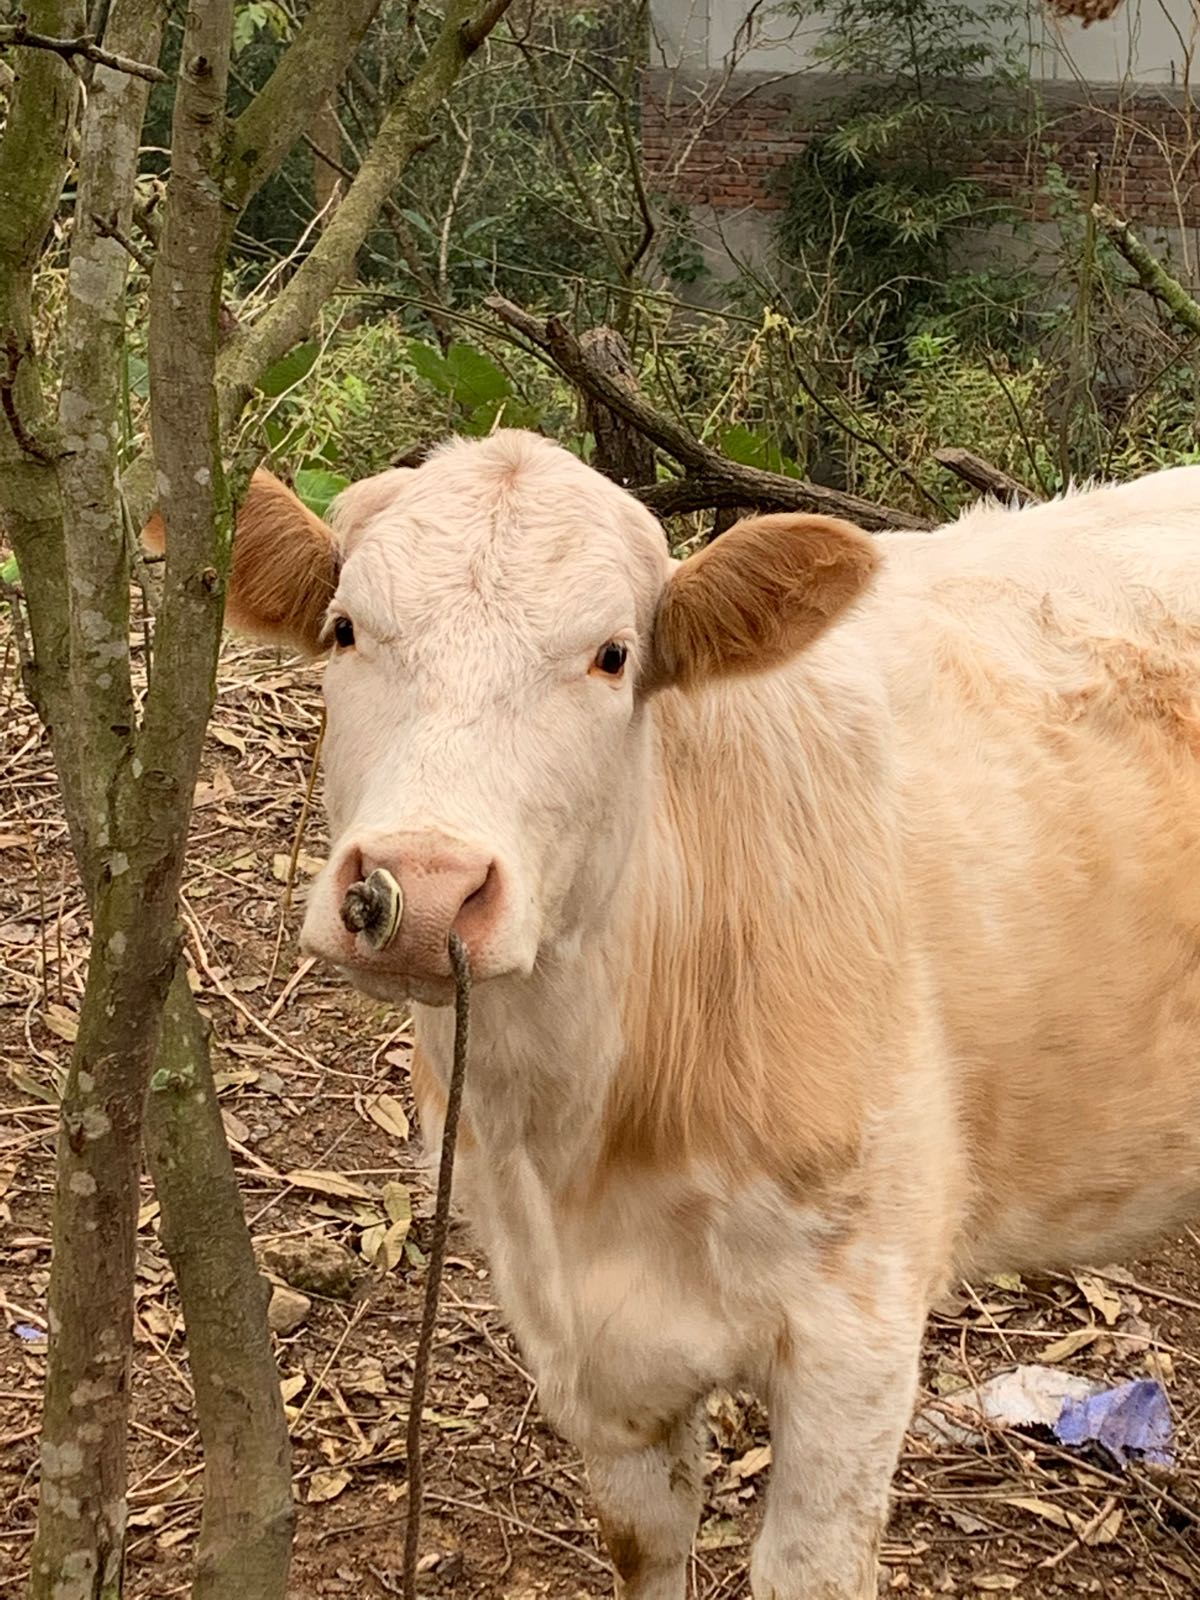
[226,736]
[1102,1297]
[383,1245]
[719,1533]
[1064,1349]
[320,1181]
[387,1113]
[235,1128]
[326,1485]
[306,864]
[753,1462]
[61,1022]
[220,789]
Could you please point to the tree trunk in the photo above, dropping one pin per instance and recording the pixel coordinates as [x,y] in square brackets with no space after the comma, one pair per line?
[326,135]
[79,1550]
[246,1529]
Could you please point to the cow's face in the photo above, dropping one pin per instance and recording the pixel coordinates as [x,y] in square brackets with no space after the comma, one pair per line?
[502,615]
[492,617]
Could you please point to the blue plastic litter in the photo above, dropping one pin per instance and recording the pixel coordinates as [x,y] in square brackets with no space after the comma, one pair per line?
[31,1335]
[1134,1419]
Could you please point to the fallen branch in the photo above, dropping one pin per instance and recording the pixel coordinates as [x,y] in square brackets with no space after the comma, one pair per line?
[726,484]
[982,475]
[712,479]
[84,46]
[1152,275]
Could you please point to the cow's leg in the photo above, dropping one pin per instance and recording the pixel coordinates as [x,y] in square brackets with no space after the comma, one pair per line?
[649,1504]
[840,1395]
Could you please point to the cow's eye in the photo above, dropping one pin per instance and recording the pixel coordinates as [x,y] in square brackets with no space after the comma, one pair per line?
[610,659]
[343,633]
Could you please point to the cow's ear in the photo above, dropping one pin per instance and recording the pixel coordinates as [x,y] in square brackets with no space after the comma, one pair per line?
[284,569]
[756,596]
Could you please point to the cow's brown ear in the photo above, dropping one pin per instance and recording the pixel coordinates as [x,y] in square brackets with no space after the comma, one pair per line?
[756,596]
[284,569]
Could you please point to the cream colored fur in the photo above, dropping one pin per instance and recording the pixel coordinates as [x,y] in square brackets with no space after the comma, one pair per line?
[825,984]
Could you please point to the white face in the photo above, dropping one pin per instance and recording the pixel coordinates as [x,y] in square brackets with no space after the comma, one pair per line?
[484,738]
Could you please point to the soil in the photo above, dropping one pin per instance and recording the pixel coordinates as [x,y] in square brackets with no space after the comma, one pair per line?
[302,1063]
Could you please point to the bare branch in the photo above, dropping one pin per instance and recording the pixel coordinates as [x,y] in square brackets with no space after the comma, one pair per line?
[712,479]
[84,47]
[1152,275]
[982,475]
[14,355]
[474,33]
[109,230]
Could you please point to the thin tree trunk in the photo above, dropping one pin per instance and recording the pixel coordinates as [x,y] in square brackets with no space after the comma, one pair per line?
[246,1527]
[325,136]
[79,1550]
[133,786]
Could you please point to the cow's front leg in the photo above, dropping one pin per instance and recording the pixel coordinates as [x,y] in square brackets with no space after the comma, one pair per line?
[648,1500]
[840,1396]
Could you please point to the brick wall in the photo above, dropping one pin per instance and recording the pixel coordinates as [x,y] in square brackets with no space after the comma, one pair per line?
[724,147]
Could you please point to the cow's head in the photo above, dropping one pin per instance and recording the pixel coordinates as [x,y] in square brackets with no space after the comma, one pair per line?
[498,622]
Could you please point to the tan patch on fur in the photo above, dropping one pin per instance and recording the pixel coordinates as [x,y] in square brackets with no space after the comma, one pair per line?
[284,570]
[756,998]
[757,595]
[625,1552]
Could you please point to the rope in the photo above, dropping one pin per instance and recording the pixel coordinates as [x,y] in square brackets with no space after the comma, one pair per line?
[437,1258]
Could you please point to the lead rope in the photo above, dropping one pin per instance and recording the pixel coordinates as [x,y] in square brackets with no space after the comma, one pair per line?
[437,1259]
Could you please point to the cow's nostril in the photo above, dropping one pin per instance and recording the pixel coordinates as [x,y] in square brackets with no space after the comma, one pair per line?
[374,908]
[478,905]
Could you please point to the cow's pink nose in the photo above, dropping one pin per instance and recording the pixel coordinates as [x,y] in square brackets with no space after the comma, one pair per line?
[443,885]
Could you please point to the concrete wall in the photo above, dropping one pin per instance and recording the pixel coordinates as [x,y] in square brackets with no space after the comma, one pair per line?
[725,109]
[1146,42]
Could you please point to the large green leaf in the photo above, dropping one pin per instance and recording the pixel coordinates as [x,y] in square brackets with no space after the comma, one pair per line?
[464,373]
[505,413]
[288,370]
[751,449]
[476,380]
[317,487]
[427,363]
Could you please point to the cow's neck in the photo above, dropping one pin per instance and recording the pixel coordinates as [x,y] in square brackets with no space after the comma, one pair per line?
[700,1018]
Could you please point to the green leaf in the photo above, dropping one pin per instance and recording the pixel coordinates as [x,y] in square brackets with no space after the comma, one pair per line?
[427,363]
[137,375]
[10,572]
[476,380]
[750,449]
[416,220]
[288,371]
[317,487]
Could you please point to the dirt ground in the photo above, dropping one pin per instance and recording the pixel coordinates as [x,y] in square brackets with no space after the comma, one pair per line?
[315,1090]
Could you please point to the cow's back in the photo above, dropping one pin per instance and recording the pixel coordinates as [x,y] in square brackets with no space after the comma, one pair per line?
[1044,670]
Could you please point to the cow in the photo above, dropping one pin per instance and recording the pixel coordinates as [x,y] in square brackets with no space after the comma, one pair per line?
[833,909]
